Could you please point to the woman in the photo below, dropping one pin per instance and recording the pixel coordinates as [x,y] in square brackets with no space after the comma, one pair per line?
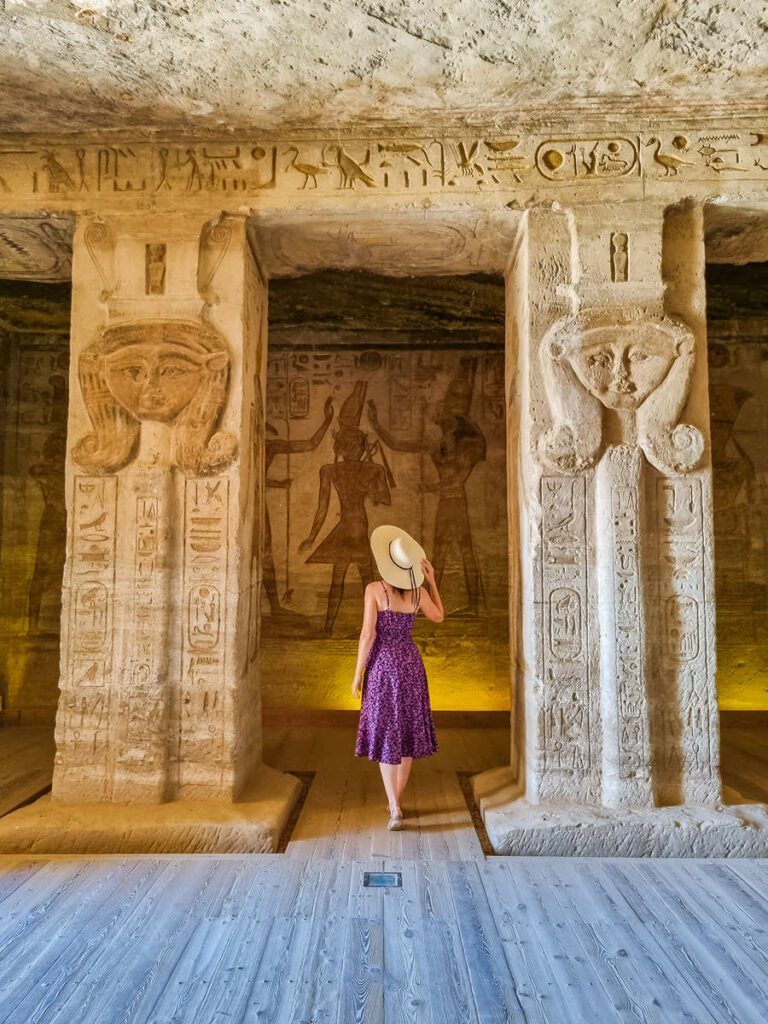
[396,722]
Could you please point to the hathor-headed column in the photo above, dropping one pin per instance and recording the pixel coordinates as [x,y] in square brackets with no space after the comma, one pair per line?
[159,699]
[617,669]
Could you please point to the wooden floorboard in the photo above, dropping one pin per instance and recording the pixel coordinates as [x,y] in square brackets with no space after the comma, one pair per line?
[345,814]
[295,938]
[170,940]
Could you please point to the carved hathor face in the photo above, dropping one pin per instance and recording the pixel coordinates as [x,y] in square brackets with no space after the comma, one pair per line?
[622,365]
[157,370]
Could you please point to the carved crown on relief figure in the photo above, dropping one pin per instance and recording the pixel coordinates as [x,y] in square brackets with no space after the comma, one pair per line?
[638,370]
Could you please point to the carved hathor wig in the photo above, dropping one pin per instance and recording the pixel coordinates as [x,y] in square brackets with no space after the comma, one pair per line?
[169,371]
[640,369]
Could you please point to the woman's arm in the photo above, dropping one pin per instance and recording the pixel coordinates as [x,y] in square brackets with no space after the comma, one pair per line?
[430,603]
[367,636]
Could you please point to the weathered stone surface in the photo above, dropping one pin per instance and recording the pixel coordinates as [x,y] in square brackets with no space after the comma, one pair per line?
[600,234]
[253,824]
[284,63]
[519,828]
[160,606]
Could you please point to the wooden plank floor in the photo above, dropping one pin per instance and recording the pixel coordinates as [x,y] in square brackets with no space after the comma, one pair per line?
[202,938]
[346,814]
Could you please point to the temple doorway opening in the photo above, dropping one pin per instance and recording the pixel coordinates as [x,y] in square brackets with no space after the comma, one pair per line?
[385,403]
[34,372]
[737,318]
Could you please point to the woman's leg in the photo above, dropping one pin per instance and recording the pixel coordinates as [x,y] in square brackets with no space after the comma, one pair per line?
[403,770]
[389,775]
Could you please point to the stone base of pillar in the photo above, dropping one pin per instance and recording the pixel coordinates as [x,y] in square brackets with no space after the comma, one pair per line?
[519,828]
[252,825]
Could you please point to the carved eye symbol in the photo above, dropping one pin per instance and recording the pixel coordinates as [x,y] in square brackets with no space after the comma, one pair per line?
[637,355]
[174,371]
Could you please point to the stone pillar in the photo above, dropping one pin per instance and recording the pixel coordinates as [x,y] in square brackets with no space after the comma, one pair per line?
[616,673]
[159,695]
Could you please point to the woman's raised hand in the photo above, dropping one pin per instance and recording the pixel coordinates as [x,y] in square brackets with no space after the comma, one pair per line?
[428,570]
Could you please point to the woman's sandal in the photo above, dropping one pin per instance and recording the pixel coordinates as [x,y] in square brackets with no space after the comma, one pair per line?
[395,822]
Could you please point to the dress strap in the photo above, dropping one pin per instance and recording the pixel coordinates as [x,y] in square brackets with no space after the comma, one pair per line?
[386,593]
[418,599]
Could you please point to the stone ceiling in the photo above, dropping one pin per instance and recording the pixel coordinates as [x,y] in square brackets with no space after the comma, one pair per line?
[268,64]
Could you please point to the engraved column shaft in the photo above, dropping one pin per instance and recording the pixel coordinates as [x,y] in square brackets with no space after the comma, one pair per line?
[623,698]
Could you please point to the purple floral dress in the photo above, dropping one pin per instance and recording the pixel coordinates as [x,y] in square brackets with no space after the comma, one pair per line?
[395,714]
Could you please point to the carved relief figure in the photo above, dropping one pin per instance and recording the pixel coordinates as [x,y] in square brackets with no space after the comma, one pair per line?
[308,170]
[49,558]
[155,272]
[355,477]
[168,371]
[629,379]
[619,256]
[280,446]
[455,452]
[350,170]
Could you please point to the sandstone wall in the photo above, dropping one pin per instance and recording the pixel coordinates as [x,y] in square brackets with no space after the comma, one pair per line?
[737,332]
[34,368]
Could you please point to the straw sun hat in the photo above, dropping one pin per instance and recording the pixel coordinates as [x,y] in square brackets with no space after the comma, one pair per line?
[398,557]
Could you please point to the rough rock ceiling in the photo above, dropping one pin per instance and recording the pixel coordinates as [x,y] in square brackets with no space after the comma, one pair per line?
[203,66]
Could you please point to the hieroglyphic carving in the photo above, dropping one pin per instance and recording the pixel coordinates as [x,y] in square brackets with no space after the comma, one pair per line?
[411,164]
[154,283]
[168,371]
[670,163]
[629,634]
[203,676]
[118,168]
[214,242]
[35,248]
[298,398]
[373,164]
[350,170]
[573,159]
[92,592]
[565,700]
[101,248]
[680,524]
[639,370]
[619,256]
[145,704]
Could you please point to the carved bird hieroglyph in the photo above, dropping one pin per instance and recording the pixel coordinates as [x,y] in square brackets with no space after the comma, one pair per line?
[349,169]
[308,170]
[667,161]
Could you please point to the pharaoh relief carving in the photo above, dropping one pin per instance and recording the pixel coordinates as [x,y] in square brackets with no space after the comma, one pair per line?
[618,381]
[167,371]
